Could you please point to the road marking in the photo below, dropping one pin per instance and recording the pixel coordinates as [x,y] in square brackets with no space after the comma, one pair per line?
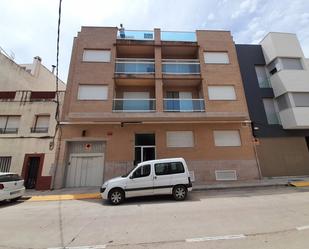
[224,237]
[80,247]
[302,228]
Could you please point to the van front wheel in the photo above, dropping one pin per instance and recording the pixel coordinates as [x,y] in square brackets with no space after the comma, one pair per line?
[179,192]
[116,196]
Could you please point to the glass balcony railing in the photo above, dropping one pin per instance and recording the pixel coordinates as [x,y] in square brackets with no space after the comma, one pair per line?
[170,66]
[135,66]
[264,82]
[134,105]
[178,36]
[184,105]
[136,35]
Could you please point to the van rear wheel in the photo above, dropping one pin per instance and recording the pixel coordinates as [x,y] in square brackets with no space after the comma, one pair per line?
[180,192]
[116,196]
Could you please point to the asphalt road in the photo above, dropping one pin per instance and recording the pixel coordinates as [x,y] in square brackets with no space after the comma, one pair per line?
[247,218]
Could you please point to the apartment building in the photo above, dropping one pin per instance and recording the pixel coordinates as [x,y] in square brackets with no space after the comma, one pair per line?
[27,120]
[275,74]
[140,95]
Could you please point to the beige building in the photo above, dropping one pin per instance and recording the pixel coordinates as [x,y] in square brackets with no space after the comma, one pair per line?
[27,120]
[141,95]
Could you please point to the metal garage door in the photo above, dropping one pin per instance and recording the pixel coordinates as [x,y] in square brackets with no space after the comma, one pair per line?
[85,170]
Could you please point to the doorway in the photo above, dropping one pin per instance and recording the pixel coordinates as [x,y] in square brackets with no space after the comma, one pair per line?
[32,169]
[145,147]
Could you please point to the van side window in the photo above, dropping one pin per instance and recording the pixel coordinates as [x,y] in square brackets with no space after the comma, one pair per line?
[142,171]
[169,168]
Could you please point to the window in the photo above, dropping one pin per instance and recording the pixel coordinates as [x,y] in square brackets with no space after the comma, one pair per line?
[5,163]
[284,63]
[221,93]
[142,171]
[41,124]
[227,138]
[7,95]
[10,178]
[216,58]
[301,99]
[92,92]
[96,55]
[169,168]
[179,139]
[39,96]
[283,102]
[9,124]
[262,77]
[270,110]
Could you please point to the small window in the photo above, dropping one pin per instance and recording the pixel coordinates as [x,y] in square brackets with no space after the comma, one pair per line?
[5,163]
[142,171]
[227,138]
[9,124]
[41,96]
[221,93]
[216,58]
[301,99]
[270,110]
[169,168]
[91,55]
[7,95]
[291,63]
[179,139]
[41,124]
[92,92]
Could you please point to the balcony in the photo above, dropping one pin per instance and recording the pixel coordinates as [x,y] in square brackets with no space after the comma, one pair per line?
[184,105]
[178,36]
[39,129]
[141,35]
[135,66]
[134,105]
[171,66]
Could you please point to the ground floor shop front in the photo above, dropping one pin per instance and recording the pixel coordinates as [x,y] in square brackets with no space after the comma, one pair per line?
[93,153]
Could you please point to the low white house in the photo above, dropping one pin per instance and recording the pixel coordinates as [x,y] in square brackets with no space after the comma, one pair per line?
[28,104]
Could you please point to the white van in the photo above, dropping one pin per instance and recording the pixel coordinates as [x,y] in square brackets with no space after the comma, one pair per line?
[156,177]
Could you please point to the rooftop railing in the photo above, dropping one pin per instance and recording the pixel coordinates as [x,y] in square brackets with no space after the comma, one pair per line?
[178,36]
[136,35]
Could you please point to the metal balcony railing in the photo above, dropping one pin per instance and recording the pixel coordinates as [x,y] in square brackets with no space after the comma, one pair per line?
[39,129]
[184,105]
[8,130]
[178,36]
[134,105]
[136,35]
[135,66]
[171,66]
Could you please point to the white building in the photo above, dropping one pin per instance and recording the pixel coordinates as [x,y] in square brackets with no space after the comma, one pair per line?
[28,104]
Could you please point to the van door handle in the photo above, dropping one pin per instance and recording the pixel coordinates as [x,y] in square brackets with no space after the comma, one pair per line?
[155,177]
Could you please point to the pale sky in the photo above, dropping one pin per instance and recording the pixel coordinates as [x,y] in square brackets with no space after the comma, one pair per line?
[28,28]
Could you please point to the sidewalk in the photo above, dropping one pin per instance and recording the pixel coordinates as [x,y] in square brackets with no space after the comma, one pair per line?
[93,192]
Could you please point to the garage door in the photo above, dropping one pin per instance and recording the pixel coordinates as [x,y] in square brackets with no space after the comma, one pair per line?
[85,170]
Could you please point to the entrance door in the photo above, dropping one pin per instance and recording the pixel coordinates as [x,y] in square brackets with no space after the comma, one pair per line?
[85,170]
[145,148]
[33,164]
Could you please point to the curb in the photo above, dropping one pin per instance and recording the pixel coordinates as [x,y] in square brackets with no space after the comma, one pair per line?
[218,187]
[62,197]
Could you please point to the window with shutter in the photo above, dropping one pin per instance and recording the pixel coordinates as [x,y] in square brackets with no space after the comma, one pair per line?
[179,139]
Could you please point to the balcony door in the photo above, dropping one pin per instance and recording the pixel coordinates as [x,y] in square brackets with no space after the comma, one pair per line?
[136,101]
[179,101]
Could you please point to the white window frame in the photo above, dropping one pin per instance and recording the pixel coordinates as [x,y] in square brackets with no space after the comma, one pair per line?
[211,94]
[220,143]
[104,57]
[213,60]
[104,95]
[172,144]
